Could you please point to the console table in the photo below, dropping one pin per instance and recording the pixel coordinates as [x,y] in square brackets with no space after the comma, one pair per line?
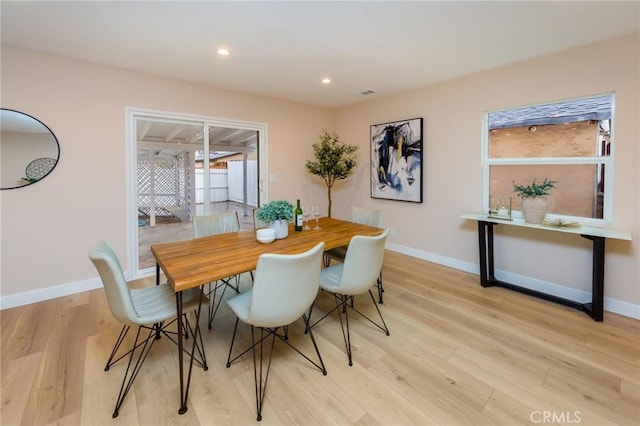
[597,235]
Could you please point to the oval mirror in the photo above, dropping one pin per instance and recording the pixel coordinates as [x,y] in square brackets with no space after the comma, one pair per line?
[29,150]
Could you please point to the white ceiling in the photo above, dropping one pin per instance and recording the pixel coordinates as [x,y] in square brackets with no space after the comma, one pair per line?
[283,49]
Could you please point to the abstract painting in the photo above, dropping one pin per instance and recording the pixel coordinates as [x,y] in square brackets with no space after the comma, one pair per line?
[396,160]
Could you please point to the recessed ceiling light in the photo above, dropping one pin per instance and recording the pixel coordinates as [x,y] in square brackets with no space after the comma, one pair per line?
[326,80]
[223,52]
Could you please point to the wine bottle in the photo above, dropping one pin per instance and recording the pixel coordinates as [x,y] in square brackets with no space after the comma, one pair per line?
[298,216]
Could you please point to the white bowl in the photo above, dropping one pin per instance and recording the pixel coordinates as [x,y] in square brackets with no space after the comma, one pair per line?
[266,235]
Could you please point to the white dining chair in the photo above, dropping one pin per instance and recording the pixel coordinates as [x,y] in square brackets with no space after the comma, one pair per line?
[214,224]
[355,276]
[365,217]
[284,288]
[152,309]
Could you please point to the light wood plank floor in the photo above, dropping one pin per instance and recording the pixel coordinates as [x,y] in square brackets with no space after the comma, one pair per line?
[458,354]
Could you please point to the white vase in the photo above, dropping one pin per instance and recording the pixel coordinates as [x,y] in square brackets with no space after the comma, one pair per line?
[281,227]
[534,209]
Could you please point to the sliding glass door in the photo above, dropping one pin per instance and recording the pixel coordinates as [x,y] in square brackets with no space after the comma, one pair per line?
[182,166]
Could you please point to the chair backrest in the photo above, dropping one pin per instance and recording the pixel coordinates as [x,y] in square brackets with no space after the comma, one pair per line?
[115,285]
[362,263]
[366,216]
[219,223]
[284,287]
[257,223]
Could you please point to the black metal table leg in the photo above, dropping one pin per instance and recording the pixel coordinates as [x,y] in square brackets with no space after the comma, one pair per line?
[183,399]
[488,279]
[196,337]
[595,309]
[184,389]
[158,326]
[485,240]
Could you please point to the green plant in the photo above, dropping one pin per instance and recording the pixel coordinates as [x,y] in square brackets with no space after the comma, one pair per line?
[275,210]
[333,160]
[534,189]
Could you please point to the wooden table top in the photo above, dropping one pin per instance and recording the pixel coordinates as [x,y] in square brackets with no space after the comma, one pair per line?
[192,263]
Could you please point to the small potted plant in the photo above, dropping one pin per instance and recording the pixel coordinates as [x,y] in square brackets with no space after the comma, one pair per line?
[534,201]
[277,214]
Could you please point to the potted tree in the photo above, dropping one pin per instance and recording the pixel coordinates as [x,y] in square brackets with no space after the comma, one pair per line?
[333,161]
[277,214]
[534,199]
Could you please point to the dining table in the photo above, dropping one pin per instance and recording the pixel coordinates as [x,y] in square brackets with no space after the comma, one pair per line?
[193,263]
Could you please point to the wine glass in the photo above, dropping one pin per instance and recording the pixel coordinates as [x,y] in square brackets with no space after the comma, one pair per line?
[316,213]
[306,212]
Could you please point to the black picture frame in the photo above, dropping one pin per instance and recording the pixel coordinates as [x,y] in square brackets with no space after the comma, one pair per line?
[397,160]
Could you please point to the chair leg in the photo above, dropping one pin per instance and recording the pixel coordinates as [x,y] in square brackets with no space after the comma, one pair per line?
[342,300]
[215,305]
[116,346]
[382,327]
[233,339]
[184,326]
[130,373]
[142,346]
[315,346]
[380,288]
[307,327]
[320,364]
[237,287]
[123,333]
[198,345]
[259,374]
[240,355]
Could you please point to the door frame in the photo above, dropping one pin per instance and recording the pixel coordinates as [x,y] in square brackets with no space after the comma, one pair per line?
[131,155]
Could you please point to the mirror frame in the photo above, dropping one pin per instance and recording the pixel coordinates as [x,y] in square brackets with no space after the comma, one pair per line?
[57,158]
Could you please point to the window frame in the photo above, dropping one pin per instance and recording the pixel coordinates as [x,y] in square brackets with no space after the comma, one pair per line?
[607,161]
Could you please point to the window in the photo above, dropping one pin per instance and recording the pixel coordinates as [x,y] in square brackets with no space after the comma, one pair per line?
[569,142]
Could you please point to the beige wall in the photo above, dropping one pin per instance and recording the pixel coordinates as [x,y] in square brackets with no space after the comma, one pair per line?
[48,228]
[453,113]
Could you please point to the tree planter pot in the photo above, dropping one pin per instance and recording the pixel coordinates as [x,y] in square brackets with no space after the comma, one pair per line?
[534,209]
[281,227]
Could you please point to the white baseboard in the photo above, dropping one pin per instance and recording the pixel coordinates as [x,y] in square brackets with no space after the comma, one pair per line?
[34,296]
[611,305]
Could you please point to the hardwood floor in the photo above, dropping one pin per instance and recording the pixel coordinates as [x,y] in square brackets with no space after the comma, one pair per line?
[457,354]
